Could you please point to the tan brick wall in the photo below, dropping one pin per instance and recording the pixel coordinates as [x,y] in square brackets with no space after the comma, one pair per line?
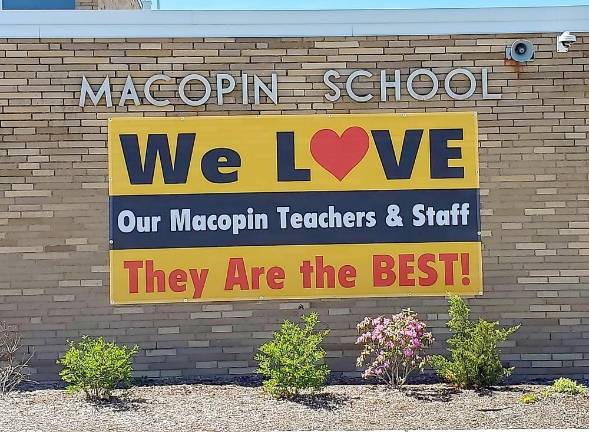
[86,4]
[108,4]
[534,166]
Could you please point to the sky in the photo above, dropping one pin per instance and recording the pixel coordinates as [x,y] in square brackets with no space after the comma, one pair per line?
[351,4]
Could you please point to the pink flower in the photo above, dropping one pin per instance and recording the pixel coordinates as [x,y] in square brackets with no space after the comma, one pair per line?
[392,345]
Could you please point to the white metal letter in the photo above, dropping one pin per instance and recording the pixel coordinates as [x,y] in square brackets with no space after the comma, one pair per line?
[417,73]
[129,92]
[224,90]
[336,91]
[271,93]
[245,98]
[452,93]
[194,77]
[104,90]
[147,90]
[350,90]
[385,85]
[486,94]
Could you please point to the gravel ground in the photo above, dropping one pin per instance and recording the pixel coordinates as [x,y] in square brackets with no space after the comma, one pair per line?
[230,407]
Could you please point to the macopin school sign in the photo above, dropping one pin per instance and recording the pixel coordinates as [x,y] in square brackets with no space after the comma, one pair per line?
[224,84]
[292,207]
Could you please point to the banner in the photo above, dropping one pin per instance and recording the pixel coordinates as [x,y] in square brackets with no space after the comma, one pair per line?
[291,207]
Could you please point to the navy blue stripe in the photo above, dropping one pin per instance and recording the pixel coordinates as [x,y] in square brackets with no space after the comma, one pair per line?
[38,4]
[302,202]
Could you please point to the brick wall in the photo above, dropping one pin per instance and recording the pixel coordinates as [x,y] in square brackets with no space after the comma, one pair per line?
[86,4]
[108,4]
[534,167]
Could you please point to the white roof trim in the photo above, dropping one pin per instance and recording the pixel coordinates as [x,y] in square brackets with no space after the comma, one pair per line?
[318,23]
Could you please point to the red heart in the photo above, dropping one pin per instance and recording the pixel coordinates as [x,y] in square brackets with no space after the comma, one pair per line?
[339,155]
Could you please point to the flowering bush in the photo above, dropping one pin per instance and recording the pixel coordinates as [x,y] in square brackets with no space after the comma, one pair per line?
[393,347]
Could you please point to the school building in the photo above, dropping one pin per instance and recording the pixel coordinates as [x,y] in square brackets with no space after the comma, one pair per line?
[64,74]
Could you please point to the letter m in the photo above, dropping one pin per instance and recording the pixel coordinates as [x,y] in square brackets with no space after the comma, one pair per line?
[103,91]
[157,144]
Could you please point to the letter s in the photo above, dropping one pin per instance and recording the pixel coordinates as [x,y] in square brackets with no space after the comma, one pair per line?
[336,91]
[418,216]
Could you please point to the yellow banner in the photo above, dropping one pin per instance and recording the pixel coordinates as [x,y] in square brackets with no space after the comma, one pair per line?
[285,207]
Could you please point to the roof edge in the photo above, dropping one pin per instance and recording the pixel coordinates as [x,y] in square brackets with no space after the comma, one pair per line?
[297,23]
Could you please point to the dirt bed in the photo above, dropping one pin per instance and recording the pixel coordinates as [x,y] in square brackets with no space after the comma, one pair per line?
[206,407]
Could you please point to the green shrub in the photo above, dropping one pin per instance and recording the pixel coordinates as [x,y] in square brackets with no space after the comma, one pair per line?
[96,367]
[529,398]
[567,386]
[294,360]
[475,360]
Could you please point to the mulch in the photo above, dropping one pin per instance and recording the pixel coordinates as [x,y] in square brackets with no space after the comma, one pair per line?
[232,407]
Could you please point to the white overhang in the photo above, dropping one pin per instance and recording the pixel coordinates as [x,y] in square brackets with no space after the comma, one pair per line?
[295,23]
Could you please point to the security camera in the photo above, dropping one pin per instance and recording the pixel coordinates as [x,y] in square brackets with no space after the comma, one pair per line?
[521,51]
[564,42]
